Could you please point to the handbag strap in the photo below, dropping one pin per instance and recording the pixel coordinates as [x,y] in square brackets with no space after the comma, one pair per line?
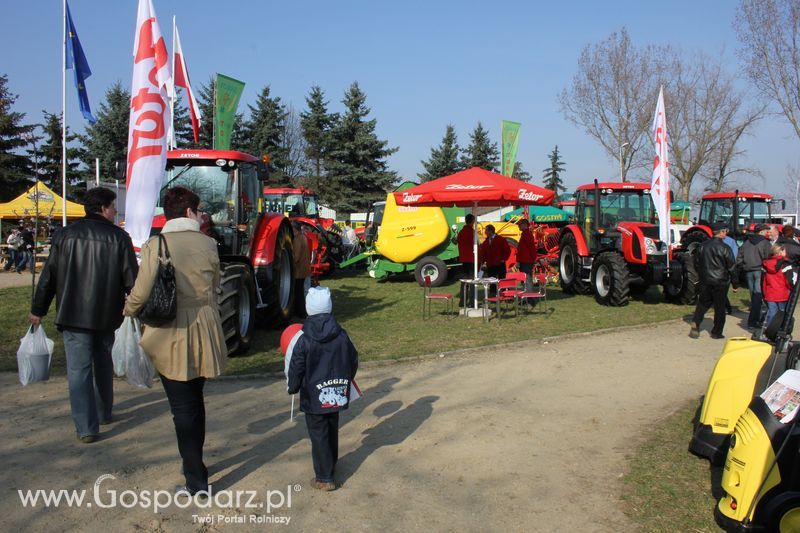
[167,257]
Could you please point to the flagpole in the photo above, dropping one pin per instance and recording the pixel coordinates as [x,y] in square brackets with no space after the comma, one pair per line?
[172,90]
[64,117]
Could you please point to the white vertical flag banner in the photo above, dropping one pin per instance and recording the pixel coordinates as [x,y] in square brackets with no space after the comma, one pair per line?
[659,183]
[149,121]
[182,80]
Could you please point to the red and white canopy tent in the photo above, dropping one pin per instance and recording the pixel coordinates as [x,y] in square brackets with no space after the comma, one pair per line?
[472,188]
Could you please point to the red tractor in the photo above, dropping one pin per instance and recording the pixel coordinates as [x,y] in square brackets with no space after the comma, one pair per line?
[612,249]
[255,246]
[325,236]
[741,211]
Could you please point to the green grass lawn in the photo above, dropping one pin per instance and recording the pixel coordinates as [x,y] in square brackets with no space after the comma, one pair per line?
[668,489]
[385,321]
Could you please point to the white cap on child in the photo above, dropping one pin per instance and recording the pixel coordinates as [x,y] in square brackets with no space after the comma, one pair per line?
[318,301]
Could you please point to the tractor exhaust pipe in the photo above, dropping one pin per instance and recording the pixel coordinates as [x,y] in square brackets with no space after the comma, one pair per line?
[596,222]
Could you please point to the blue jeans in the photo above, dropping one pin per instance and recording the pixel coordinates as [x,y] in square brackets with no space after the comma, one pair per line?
[91,393]
[12,259]
[754,286]
[772,310]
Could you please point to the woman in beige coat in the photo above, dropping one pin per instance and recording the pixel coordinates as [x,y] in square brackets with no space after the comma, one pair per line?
[191,348]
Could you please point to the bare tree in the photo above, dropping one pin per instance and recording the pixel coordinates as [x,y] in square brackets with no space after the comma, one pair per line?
[613,96]
[722,171]
[769,31]
[706,121]
[295,145]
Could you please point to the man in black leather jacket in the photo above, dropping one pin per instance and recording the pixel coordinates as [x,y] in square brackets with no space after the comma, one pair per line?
[715,268]
[90,268]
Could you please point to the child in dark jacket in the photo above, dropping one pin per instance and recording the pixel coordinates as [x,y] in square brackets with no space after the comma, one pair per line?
[322,367]
[777,282]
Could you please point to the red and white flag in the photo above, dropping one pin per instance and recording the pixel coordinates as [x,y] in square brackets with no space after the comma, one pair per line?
[149,122]
[659,183]
[182,80]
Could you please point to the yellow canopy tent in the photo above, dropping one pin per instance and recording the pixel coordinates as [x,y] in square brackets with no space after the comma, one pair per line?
[50,205]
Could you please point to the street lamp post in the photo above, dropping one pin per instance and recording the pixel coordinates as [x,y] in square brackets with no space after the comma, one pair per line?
[621,169]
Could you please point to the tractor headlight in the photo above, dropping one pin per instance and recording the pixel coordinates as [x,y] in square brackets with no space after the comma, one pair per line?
[650,246]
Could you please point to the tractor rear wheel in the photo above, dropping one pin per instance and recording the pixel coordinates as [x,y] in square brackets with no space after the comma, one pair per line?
[610,280]
[237,306]
[683,290]
[433,267]
[569,266]
[278,291]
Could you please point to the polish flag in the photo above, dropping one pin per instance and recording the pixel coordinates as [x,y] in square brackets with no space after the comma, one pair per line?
[659,183]
[182,80]
[149,122]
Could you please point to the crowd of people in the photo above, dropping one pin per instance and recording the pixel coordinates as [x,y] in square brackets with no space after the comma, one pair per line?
[767,263]
[93,274]
[19,250]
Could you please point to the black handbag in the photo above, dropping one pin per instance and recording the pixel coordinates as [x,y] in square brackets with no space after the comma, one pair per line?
[162,306]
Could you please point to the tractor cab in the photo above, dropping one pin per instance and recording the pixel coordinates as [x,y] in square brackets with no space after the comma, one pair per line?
[741,211]
[604,211]
[229,187]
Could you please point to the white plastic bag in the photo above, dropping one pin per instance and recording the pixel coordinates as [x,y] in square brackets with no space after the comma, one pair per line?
[129,358]
[125,339]
[34,356]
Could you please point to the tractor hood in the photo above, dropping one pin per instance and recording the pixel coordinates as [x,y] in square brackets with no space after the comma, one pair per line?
[648,230]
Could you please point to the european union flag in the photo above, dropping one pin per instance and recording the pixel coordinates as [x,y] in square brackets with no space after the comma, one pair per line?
[76,60]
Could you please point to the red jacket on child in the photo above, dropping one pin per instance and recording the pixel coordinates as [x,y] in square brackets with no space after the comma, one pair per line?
[776,284]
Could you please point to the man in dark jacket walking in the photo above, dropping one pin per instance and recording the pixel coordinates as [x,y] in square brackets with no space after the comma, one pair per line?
[91,267]
[715,266]
[322,367]
[752,253]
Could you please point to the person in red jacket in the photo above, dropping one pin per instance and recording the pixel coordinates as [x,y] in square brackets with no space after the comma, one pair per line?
[526,251]
[777,282]
[465,240]
[494,251]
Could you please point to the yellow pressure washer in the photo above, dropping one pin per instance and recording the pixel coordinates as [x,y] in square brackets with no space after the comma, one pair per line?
[740,373]
[761,477]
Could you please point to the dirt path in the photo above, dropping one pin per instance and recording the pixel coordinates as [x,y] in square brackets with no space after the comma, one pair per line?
[530,437]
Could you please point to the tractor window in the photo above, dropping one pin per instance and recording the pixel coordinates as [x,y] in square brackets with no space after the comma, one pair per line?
[722,212]
[705,212]
[625,206]
[248,205]
[294,206]
[753,211]
[312,210]
[216,188]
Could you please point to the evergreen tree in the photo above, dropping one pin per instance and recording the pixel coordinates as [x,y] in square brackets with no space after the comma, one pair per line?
[444,159]
[205,101]
[107,139]
[182,121]
[317,125]
[14,167]
[356,166]
[264,133]
[519,173]
[552,175]
[481,152]
[50,157]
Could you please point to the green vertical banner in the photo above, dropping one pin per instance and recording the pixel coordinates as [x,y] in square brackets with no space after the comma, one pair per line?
[510,144]
[227,92]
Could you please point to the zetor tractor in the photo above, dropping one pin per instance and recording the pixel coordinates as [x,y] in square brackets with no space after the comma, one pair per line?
[254,245]
[301,204]
[741,211]
[613,248]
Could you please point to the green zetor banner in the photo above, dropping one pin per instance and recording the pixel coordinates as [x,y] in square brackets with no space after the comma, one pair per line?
[227,92]
[509,146]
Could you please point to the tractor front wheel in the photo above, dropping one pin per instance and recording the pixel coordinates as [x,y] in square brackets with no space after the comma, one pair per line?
[610,280]
[569,266]
[683,289]
[237,306]
[433,267]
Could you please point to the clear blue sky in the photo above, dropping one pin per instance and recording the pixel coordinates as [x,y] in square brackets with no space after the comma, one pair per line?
[422,64]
